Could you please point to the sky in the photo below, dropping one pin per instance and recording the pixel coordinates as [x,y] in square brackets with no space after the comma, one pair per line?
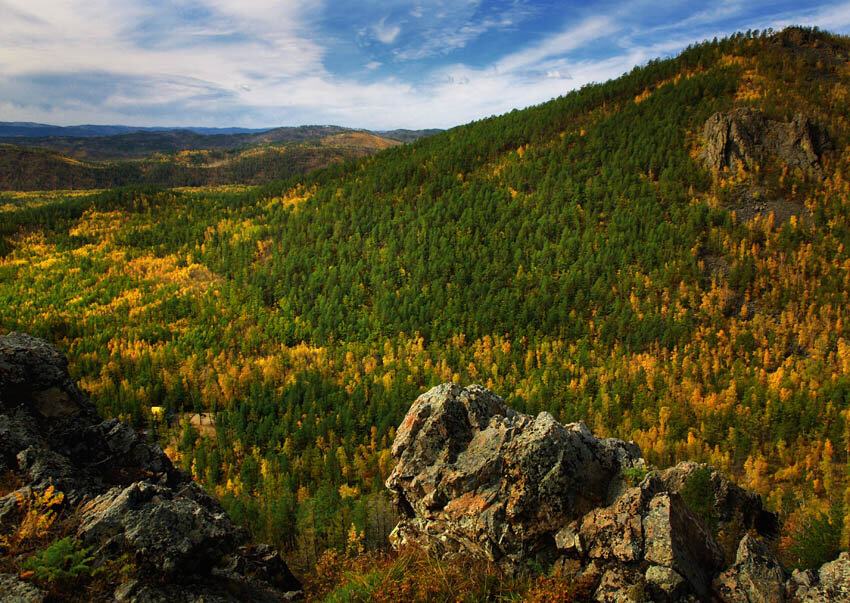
[358,63]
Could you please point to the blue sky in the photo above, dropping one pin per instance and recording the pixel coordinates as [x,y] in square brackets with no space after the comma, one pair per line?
[374,64]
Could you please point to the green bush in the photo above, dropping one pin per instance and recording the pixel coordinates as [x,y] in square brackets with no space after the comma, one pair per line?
[64,561]
[634,475]
[698,494]
[818,540]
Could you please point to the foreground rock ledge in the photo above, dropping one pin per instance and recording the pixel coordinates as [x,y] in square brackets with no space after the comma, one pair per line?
[122,492]
[473,477]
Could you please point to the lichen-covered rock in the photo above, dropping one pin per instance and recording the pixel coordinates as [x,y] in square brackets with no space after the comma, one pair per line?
[15,590]
[616,531]
[676,538]
[745,135]
[44,467]
[51,432]
[620,584]
[121,490]
[665,584]
[830,583]
[238,589]
[731,502]
[264,562]
[756,577]
[475,476]
[166,530]
[35,373]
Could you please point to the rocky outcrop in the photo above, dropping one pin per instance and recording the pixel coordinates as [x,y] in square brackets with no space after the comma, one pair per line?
[473,477]
[731,502]
[745,135]
[830,583]
[756,577]
[15,590]
[121,491]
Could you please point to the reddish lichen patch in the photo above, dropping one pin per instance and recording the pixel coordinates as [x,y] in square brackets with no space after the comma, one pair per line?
[470,503]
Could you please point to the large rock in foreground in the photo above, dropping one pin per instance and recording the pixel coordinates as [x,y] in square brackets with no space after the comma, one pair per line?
[121,491]
[473,477]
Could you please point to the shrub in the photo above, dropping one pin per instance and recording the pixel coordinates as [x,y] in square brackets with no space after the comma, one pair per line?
[634,475]
[63,561]
[37,512]
[813,539]
[698,494]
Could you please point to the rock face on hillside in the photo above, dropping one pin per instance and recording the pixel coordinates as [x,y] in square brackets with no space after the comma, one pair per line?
[745,135]
[473,477]
[122,494]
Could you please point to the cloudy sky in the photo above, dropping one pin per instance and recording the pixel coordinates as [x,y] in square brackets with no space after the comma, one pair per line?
[376,64]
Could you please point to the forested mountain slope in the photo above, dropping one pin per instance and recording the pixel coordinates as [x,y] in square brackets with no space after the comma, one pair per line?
[581,257]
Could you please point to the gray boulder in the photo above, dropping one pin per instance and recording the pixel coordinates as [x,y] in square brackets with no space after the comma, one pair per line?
[676,538]
[830,583]
[756,577]
[168,531]
[731,502]
[474,476]
[15,590]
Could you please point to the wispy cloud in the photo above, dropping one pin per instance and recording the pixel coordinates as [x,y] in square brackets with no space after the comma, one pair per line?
[558,45]
[449,26]
[364,63]
[386,33]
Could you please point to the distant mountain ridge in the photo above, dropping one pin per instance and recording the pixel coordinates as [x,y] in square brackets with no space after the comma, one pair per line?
[405,135]
[24,129]
[28,129]
[141,143]
[181,157]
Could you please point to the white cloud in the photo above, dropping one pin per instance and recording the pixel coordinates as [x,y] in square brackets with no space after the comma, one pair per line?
[96,35]
[386,34]
[444,26]
[262,63]
[833,18]
[559,44]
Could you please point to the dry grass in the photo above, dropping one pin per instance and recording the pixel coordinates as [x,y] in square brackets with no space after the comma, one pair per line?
[415,575]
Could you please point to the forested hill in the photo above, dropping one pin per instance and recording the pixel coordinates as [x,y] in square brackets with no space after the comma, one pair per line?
[180,160]
[643,255]
[25,129]
[173,158]
[140,144]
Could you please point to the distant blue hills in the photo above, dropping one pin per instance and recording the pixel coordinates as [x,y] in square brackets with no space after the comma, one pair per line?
[26,129]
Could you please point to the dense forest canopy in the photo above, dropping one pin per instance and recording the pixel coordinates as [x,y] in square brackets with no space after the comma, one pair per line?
[576,257]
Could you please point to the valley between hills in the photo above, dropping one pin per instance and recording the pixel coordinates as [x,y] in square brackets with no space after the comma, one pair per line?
[662,259]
